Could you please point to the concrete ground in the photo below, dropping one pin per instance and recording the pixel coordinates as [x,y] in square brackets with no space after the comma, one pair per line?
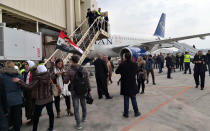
[171,105]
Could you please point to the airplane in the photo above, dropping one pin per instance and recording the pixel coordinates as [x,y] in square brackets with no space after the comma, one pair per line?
[116,46]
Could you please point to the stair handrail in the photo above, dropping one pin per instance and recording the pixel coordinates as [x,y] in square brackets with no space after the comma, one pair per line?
[71,35]
[83,37]
[80,25]
[96,21]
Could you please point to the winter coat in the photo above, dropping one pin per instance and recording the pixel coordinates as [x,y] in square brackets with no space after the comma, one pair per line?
[42,90]
[32,71]
[101,70]
[13,90]
[177,59]
[29,102]
[155,59]
[128,71]
[90,16]
[169,62]
[173,60]
[199,66]
[69,76]
[160,59]
[3,100]
[58,80]
[149,64]
[141,71]
[28,92]
[208,58]
[182,59]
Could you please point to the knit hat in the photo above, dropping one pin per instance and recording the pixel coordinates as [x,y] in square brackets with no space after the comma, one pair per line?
[30,64]
[16,67]
[41,69]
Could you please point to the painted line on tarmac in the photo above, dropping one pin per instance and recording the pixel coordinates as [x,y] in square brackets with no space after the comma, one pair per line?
[173,87]
[154,110]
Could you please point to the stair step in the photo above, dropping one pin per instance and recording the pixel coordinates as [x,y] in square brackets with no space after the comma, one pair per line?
[84,36]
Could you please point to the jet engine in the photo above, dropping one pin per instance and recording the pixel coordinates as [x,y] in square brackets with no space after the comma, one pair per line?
[134,51]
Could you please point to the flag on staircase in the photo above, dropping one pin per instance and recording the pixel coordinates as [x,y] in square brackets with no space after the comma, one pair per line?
[67,45]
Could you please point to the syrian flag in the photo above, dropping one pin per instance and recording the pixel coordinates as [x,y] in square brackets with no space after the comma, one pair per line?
[67,45]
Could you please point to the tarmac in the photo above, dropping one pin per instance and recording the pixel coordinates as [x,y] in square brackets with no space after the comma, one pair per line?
[170,105]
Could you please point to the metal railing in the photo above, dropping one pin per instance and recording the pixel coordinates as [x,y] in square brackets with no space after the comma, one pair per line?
[83,36]
[183,48]
[93,34]
[74,34]
[86,38]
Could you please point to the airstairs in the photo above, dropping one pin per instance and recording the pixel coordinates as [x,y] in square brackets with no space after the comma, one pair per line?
[84,37]
[182,47]
[185,48]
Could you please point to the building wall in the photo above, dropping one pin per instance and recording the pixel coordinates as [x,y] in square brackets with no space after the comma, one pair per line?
[85,4]
[70,16]
[59,14]
[66,14]
[53,11]
[93,5]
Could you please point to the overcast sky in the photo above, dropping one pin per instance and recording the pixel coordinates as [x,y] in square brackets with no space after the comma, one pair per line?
[140,18]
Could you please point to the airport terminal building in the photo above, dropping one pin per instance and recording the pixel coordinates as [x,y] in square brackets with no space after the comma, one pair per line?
[45,16]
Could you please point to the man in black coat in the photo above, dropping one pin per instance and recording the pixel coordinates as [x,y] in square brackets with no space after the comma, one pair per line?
[90,16]
[169,65]
[177,61]
[181,64]
[101,74]
[128,71]
[208,60]
[199,69]
[3,108]
[160,60]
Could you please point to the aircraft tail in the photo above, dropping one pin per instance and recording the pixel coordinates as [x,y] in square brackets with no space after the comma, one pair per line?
[160,30]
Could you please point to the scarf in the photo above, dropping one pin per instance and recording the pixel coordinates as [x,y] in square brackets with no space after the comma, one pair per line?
[29,78]
[59,81]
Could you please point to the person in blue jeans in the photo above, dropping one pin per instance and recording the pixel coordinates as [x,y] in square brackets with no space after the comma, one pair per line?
[149,69]
[76,98]
[128,71]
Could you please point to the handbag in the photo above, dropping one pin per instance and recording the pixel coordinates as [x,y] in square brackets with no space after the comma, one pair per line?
[55,89]
[89,99]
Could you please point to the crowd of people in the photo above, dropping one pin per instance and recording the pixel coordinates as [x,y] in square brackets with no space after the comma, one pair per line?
[102,18]
[35,87]
[181,62]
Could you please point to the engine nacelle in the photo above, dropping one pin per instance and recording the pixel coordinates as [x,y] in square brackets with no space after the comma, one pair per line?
[134,51]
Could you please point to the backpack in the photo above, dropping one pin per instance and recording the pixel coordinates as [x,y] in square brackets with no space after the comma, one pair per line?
[140,74]
[80,83]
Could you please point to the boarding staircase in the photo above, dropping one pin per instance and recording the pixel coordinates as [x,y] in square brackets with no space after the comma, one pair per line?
[185,48]
[182,47]
[84,37]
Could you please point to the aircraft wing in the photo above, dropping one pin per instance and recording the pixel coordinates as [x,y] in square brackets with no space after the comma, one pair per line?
[171,40]
[150,44]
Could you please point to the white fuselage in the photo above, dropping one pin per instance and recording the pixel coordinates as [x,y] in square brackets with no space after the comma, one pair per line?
[106,47]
